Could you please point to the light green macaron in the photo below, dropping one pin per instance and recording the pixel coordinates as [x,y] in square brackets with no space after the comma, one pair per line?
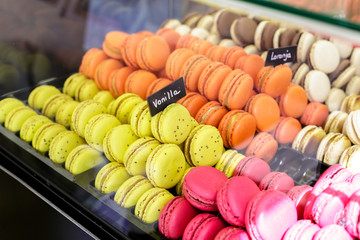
[228,162]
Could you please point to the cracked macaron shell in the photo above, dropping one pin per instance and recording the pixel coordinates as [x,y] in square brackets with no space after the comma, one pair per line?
[165,165]
[8,104]
[111,177]
[150,204]
[131,190]
[83,158]
[63,144]
[31,125]
[136,155]
[45,134]
[204,146]
[16,118]
[117,141]
[97,127]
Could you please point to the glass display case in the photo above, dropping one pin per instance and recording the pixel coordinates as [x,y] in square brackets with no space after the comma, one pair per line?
[43,42]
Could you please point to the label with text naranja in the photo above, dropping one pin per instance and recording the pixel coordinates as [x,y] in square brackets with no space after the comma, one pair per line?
[159,100]
[277,56]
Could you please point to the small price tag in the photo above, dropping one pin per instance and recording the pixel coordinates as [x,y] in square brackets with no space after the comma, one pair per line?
[277,56]
[159,100]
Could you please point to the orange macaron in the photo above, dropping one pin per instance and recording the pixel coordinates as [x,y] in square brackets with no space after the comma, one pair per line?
[293,101]
[192,70]
[157,85]
[237,128]
[200,46]
[193,101]
[231,56]
[262,146]
[251,64]
[236,89]
[117,80]
[176,61]
[273,80]
[215,53]
[113,42]
[129,48]
[91,59]
[211,113]
[286,130]
[265,110]
[185,41]
[315,114]
[170,36]
[212,78]
[139,81]
[152,53]
[104,70]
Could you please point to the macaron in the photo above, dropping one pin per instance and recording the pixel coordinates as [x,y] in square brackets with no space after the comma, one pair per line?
[263,36]
[324,56]
[104,97]
[353,86]
[86,90]
[250,64]
[140,120]
[242,30]
[302,229]
[278,206]
[17,117]
[331,147]
[111,177]
[138,82]
[299,71]
[304,40]
[131,190]
[332,231]
[231,56]
[152,53]
[350,127]
[211,113]
[237,129]
[176,61]
[335,122]
[179,185]
[265,110]
[315,113]
[8,104]
[124,105]
[193,101]
[308,139]
[91,59]
[116,142]
[350,103]
[342,74]
[355,59]
[201,185]
[172,125]
[273,80]
[229,161]
[227,199]
[252,167]
[286,130]
[83,113]
[317,86]
[293,101]
[97,127]
[113,42]
[263,145]
[192,69]
[53,103]
[348,159]
[31,125]
[157,85]
[191,19]
[165,165]
[206,21]
[278,181]
[175,216]
[203,226]
[65,112]
[201,46]
[170,36]
[200,33]
[204,146]
[299,194]
[351,214]
[216,52]
[137,153]
[83,158]
[39,95]
[117,80]
[129,49]
[149,205]
[223,20]
[72,83]
[45,134]
[335,99]
[186,39]
[170,23]
[63,144]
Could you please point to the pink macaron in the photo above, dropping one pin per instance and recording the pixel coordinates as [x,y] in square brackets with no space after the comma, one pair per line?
[335,173]
[301,230]
[232,200]
[269,214]
[332,231]
[204,226]
[232,233]
[279,181]
[175,216]
[201,185]
[253,168]
[352,214]
[328,207]
[299,194]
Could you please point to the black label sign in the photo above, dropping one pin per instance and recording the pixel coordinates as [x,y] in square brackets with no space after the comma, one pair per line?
[170,94]
[277,56]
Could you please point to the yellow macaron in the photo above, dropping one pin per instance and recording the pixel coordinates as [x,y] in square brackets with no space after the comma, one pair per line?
[31,125]
[53,103]
[63,144]
[16,118]
[86,90]
[104,97]
[72,83]
[228,162]
[65,112]
[140,120]
[39,95]
[45,134]
[114,105]
[110,177]
[8,104]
